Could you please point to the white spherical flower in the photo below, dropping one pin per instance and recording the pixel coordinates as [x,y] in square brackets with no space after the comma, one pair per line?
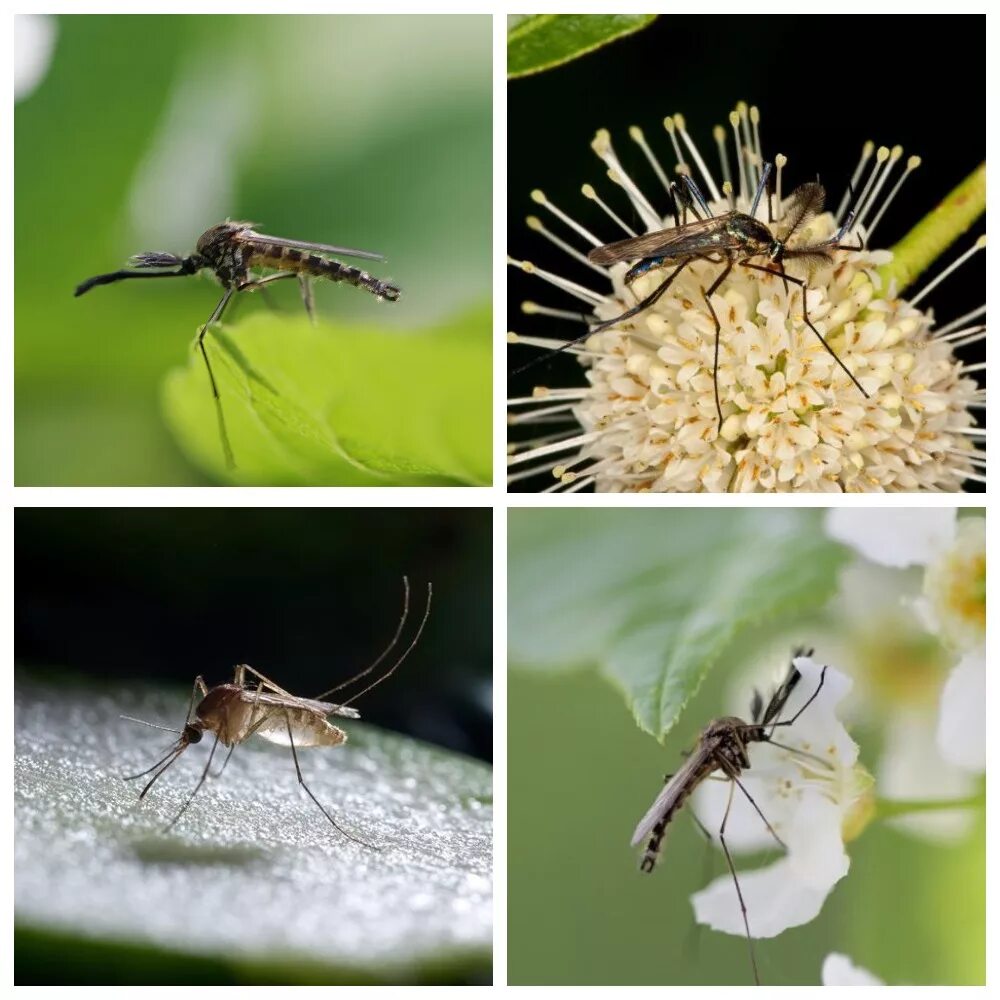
[799,370]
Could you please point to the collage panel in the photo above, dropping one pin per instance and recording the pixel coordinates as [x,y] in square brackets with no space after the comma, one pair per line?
[253,746]
[723,282]
[746,746]
[224,154]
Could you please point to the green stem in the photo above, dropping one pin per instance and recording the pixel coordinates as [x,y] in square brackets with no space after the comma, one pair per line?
[890,808]
[934,233]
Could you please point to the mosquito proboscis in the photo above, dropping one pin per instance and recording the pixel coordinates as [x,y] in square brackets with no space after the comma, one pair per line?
[235,711]
[723,747]
[230,250]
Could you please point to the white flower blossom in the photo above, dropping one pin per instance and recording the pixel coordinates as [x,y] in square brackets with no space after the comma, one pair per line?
[814,799]
[839,970]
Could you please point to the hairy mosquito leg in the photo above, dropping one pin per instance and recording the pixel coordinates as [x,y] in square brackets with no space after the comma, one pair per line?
[214,318]
[805,315]
[305,287]
[319,805]
[736,882]
[201,781]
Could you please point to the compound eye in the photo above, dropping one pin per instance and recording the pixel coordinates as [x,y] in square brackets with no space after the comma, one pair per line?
[192,734]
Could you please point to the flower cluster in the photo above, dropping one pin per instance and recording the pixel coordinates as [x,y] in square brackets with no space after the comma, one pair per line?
[792,418]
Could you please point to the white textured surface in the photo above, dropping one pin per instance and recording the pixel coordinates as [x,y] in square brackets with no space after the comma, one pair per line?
[252,871]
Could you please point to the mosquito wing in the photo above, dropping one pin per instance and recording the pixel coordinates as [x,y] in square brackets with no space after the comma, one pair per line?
[697,767]
[699,237]
[249,696]
[253,237]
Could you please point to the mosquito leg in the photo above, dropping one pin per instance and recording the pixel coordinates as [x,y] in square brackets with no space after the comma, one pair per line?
[214,318]
[736,882]
[718,331]
[298,772]
[199,687]
[648,301]
[812,698]
[801,753]
[305,287]
[735,779]
[201,781]
[805,315]
[218,774]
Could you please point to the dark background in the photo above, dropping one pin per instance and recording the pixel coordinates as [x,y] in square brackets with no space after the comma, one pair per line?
[824,85]
[308,596]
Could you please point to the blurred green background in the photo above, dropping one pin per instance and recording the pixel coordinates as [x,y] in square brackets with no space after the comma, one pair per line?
[581,775]
[365,131]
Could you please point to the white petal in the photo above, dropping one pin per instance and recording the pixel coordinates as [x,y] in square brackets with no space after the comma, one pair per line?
[893,536]
[815,843]
[961,733]
[775,900]
[839,970]
[912,767]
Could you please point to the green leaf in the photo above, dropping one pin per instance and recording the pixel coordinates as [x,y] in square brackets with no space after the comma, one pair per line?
[341,405]
[540,41]
[652,598]
[252,884]
[933,234]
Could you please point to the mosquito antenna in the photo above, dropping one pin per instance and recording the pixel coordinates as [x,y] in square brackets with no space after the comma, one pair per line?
[760,189]
[388,649]
[406,652]
[152,725]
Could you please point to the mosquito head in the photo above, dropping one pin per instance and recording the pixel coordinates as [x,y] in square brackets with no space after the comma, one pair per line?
[775,251]
[192,734]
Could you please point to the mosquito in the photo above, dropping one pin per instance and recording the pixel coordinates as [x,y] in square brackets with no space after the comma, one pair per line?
[733,239]
[230,250]
[245,707]
[723,746]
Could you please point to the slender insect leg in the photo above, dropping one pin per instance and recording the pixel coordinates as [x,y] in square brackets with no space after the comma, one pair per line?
[644,304]
[201,781]
[163,763]
[718,331]
[305,287]
[218,774]
[298,772]
[736,882]
[648,301]
[770,829]
[214,318]
[199,687]
[805,315]
[812,698]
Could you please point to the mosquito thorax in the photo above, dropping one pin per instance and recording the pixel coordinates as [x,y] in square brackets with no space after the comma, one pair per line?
[755,236]
[213,241]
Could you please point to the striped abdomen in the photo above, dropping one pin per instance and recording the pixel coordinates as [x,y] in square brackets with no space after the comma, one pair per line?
[302,262]
[652,853]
